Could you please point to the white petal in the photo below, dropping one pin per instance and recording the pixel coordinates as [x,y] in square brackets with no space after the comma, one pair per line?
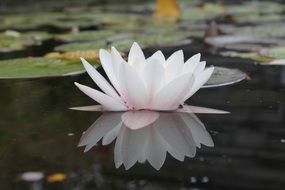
[138,119]
[196,109]
[108,103]
[116,56]
[88,108]
[200,80]
[153,76]
[159,56]
[169,96]
[100,80]
[133,88]
[135,53]
[191,63]
[109,67]
[200,67]
[174,65]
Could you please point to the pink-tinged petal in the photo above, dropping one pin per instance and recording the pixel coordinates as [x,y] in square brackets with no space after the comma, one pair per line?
[159,56]
[196,109]
[174,65]
[109,68]
[136,54]
[169,96]
[191,63]
[153,76]
[88,108]
[108,103]
[100,80]
[132,86]
[200,80]
[139,119]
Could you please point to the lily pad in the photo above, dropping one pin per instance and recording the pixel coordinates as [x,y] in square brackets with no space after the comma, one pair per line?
[224,40]
[83,46]
[225,76]
[39,67]
[14,41]
[263,30]
[85,36]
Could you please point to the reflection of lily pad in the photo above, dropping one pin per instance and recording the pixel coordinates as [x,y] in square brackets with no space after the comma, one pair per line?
[38,67]
[225,76]
[13,41]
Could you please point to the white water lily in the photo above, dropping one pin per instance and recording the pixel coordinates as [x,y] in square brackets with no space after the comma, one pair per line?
[153,83]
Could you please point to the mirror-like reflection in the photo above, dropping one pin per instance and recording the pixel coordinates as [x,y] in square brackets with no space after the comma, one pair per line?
[142,136]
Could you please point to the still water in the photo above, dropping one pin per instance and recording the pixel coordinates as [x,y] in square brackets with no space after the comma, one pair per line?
[241,150]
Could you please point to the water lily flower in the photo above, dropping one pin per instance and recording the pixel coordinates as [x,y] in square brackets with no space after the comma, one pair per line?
[153,83]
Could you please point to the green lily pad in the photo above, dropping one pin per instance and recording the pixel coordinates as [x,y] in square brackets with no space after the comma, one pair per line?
[154,40]
[82,46]
[248,55]
[225,76]
[14,41]
[28,21]
[85,36]
[263,30]
[225,40]
[39,67]
[276,52]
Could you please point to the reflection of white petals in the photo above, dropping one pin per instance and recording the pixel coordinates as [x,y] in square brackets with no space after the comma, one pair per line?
[154,83]
[148,136]
[138,119]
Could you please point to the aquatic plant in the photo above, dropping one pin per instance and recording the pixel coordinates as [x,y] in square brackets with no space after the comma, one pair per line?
[153,83]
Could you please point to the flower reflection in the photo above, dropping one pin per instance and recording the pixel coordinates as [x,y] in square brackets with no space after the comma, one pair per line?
[142,136]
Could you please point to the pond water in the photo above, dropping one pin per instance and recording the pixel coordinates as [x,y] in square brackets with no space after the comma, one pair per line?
[40,135]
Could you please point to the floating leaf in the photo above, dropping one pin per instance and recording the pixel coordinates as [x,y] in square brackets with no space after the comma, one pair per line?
[13,40]
[91,55]
[264,30]
[223,40]
[83,46]
[85,36]
[39,67]
[225,76]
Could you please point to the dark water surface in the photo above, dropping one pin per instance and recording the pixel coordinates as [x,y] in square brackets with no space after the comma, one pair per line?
[39,133]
